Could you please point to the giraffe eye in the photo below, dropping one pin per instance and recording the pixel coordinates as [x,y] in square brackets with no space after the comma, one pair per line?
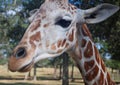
[21,52]
[63,23]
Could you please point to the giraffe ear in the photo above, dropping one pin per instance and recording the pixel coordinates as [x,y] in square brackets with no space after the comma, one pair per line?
[99,13]
[32,15]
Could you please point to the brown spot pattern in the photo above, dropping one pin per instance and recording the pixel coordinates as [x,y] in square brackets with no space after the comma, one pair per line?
[97,55]
[85,31]
[32,44]
[63,43]
[63,7]
[89,50]
[73,7]
[92,74]
[88,65]
[59,43]
[46,25]
[105,82]
[35,37]
[71,36]
[43,17]
[83,42]
[53,47]
[95,83]
[101,79]
[23,43]
[35,25]
[103,65]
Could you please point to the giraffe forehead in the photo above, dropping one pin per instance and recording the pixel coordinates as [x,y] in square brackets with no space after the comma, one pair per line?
[58,3]
[53,5]
[51,10]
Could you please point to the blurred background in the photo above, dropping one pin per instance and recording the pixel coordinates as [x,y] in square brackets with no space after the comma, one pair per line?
[14,16]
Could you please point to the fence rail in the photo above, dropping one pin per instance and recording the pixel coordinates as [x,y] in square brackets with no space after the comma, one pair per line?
[74,74]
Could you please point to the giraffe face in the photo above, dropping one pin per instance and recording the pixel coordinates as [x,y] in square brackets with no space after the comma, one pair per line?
[51,32]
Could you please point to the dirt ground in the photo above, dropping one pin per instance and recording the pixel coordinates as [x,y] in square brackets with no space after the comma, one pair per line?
[45,76]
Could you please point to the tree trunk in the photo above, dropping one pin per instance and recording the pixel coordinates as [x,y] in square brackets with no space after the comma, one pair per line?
[55,71]
[65,79]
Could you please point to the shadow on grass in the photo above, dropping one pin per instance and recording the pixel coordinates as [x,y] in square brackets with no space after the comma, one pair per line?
[47,78]
[38,78]
[22,78]
[10,78]
[18,84]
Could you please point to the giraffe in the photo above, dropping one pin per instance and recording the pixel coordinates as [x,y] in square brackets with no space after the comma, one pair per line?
[57,27]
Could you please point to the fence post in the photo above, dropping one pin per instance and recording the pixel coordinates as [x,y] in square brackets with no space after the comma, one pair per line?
[72,77]
[35,73]
[65,78]
[60,76]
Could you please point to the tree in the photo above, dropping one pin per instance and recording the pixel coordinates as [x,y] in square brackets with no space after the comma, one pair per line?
[114,64]
[109,32]
[32,4]
[13,22]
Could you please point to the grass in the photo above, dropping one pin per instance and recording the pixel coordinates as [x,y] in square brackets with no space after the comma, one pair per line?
[45,76]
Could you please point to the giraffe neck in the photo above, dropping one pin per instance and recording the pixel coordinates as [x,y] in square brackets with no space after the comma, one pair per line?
[88,60]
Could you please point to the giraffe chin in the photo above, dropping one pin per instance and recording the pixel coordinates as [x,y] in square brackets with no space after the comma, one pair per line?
[27,67]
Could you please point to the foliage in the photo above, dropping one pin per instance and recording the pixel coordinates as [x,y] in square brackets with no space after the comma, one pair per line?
[13,22]
[3,29]
[109,32]
[32,4]
[113,64]
[3,61]
[12,27]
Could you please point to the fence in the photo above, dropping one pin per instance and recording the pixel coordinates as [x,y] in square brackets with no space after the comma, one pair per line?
[74,74]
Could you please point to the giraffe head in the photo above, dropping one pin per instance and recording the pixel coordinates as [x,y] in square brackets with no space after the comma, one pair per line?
[53,30]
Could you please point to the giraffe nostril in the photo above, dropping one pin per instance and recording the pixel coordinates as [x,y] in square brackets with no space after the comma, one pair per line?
[21,52]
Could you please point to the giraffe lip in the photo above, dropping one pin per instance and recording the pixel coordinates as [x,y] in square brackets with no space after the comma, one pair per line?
[27,67]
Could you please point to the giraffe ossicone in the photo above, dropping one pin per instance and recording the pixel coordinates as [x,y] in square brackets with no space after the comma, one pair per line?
[58,27]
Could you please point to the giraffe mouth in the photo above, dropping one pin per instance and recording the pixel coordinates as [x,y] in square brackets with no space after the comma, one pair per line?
[27,67]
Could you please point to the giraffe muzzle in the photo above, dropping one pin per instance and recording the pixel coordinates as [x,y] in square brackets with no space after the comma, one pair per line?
[20,60]
[27,67]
